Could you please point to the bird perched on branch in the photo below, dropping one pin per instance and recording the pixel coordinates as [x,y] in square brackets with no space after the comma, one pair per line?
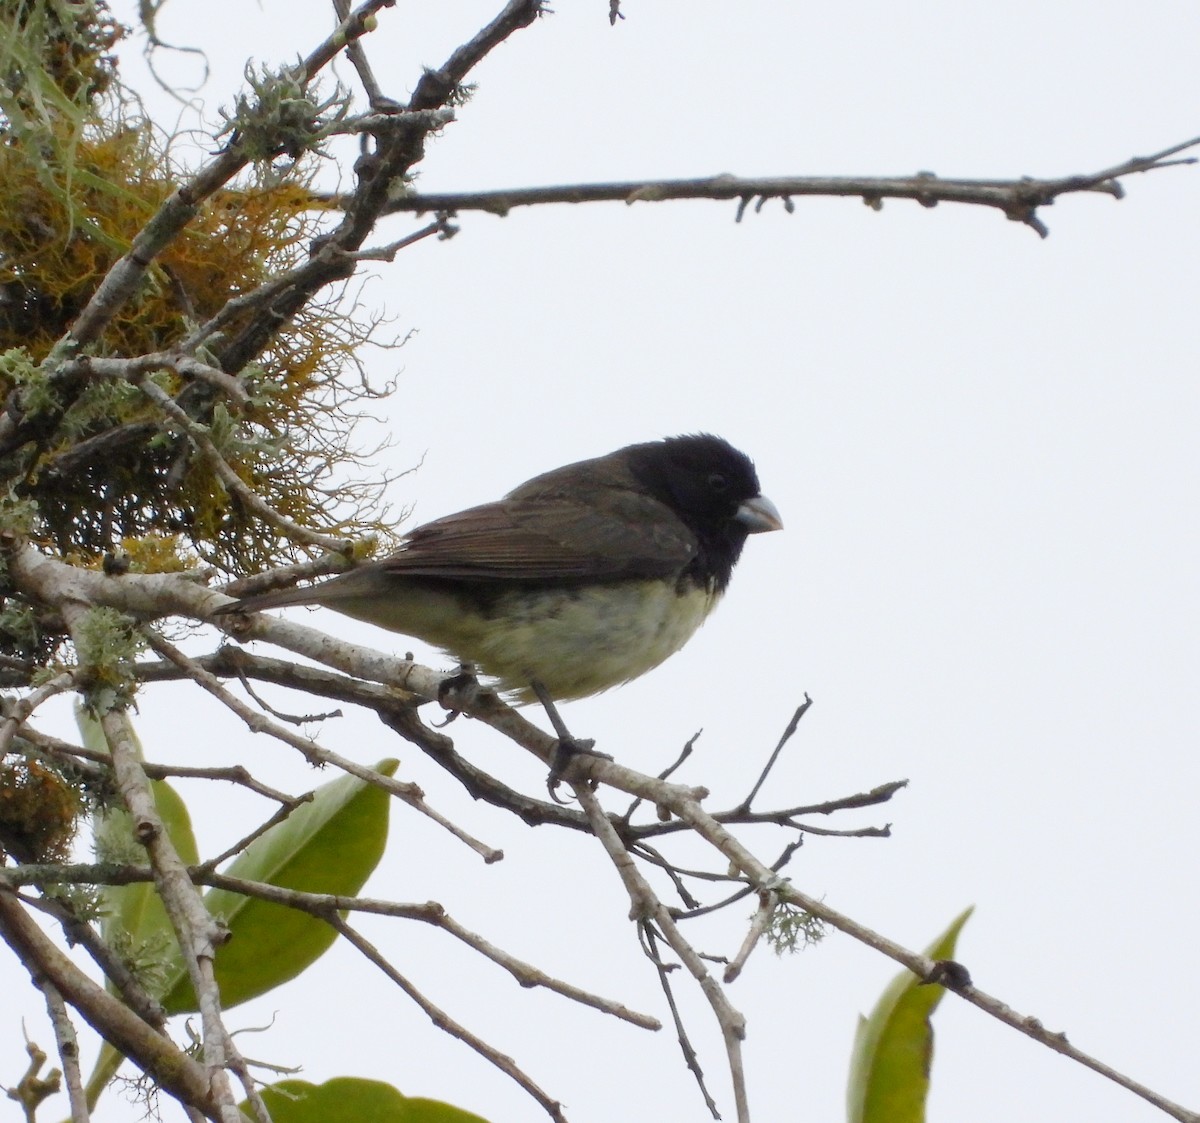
[579,580]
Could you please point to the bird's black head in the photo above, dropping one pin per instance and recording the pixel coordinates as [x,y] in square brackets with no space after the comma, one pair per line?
[713,488]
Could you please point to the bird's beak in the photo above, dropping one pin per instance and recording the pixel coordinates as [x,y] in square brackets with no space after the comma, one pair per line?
[759,514]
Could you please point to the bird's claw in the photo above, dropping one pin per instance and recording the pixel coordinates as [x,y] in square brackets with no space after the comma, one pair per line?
[566,750]
[459,692]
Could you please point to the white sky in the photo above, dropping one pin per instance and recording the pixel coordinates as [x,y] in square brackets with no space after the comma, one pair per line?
[985,450]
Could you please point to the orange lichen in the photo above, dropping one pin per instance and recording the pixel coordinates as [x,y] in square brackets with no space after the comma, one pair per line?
[60,232]
[39,811]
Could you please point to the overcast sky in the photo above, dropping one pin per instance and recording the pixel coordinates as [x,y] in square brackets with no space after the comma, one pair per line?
[985,450]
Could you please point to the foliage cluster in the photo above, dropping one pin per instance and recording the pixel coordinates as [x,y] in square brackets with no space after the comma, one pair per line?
[92,453]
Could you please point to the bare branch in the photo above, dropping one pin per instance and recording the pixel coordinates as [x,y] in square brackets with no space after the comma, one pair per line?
[68,1050]
[787,735]
[437,86]
[314,754]
[353,26]
[688,808]
[1018,199]
[18,711]
[33,1088]
[647,907]
[649,939]
[135,369]
[323,906]
[759,927]
[357,56]
[444,1022]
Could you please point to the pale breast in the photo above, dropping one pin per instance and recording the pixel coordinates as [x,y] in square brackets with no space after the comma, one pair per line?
[580,642]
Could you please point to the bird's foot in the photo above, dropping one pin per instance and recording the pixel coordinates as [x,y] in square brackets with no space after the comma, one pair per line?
[568,747]
[459,691]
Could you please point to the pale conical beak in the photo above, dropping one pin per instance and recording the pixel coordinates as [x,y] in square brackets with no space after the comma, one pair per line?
[759,514]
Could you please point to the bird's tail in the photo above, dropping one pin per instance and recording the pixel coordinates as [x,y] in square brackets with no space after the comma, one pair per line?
[278,598]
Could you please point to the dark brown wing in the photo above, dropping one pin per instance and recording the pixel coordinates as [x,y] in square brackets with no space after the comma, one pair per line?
[614,533]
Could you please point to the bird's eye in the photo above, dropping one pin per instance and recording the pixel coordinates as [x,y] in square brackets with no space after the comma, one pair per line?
[718,483]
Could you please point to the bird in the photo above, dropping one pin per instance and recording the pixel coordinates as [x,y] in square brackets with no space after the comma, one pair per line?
[579,580]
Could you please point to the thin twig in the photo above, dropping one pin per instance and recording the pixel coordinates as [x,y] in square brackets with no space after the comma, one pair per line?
[648,937]
[444,1022]
[672,870]
[259,300]
[744,891]
[353,26]
[669,771]
[264,705]
[792,725]
[358,57]
[759,926]
[280,815]
[442,227]
[18,710]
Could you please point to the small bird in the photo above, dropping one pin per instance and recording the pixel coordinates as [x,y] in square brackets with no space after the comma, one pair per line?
[578,580]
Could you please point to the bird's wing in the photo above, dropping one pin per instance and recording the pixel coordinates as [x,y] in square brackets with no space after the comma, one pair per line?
[618,534]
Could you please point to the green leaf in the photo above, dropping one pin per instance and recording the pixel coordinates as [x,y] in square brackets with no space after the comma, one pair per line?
[347,1099]
[893,1048]
[329,845]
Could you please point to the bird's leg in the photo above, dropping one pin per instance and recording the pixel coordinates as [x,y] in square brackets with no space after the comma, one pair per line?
[568,746]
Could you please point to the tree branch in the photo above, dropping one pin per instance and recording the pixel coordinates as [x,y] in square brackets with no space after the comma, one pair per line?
[155,1054]
[647,907]
[1017,199]
[68,1050]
